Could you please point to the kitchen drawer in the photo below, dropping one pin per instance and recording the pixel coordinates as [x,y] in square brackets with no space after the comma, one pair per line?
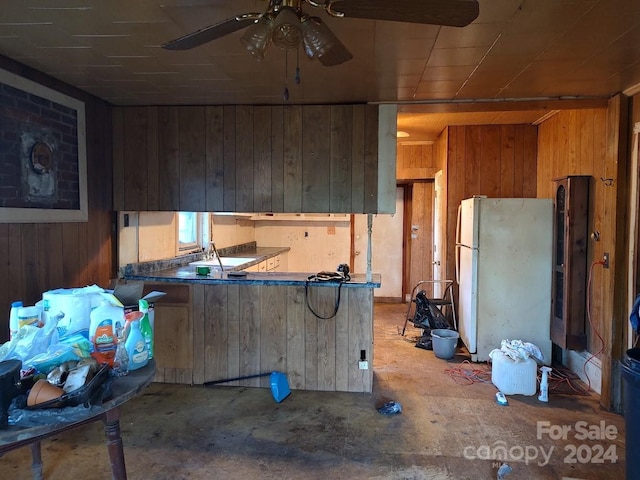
[271,263]
[263,266]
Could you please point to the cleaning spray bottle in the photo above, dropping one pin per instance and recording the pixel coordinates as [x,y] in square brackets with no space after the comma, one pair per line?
[135,344]
[544,384]
[145,325]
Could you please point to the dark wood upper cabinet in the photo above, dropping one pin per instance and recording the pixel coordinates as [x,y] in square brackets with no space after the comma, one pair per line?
[571,212]
[292,159]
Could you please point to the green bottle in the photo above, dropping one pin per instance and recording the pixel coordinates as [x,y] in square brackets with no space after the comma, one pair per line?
[145,325]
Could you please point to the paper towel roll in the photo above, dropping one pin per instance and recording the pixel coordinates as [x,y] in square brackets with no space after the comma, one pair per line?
[74,305]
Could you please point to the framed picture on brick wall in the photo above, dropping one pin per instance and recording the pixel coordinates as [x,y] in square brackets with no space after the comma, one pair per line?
[43,164]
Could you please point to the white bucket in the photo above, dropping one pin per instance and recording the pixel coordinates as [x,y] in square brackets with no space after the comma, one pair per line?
[444,342]
[511,377]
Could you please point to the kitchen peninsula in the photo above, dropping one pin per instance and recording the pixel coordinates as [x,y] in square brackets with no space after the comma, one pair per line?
[216,327]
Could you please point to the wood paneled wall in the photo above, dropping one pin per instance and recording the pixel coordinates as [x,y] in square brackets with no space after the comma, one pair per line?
[594,142]
[36,257]
[415,162]
[247,158]
[574,143]
[493,160]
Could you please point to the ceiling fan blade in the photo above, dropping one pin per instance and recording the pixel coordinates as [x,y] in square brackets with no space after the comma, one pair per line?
[453,13]
[212,32]
[337,55]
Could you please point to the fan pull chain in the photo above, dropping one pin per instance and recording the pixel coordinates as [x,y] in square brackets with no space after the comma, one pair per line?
[285,94]
[297,66]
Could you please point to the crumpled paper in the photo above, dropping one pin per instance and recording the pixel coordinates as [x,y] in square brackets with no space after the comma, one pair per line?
[518,350]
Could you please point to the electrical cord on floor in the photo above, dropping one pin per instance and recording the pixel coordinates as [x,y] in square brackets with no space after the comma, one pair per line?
[564,382]
[468,374]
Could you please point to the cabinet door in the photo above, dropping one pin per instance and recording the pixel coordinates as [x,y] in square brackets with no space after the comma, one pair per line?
[173,334]
[571,210]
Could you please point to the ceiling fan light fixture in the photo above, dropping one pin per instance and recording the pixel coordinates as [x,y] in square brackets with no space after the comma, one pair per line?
[317,37]
[257,37]
[286,29]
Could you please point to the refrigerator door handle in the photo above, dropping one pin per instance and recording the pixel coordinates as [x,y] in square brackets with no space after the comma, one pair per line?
[458,224]
[457,263]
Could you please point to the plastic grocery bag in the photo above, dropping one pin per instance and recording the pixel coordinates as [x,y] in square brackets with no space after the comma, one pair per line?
[29,342]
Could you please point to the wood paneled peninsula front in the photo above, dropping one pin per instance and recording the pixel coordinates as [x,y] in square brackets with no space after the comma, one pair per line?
[209,328]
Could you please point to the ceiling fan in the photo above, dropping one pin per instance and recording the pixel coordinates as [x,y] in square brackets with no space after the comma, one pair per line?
[287,26]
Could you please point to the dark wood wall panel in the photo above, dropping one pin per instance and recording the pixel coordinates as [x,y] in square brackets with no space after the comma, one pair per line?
[492,160]
[229,151]
[168,165]
[341,162]
[277,159]
[357,158]
[316,150]
[244,158]
[312,158]
[135,156]
[215,159]
[36,257]
[292,155]
[371,158]
[262,157]
[153,175]
[192,147]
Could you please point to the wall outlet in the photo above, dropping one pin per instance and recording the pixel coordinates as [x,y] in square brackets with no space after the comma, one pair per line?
[363,365]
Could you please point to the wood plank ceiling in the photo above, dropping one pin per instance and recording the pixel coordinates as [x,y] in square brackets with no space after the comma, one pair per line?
[516,49]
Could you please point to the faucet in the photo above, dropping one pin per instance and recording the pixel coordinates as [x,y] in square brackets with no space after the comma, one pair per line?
[214,252]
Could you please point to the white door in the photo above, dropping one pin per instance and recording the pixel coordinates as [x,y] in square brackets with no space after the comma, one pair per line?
[386,256]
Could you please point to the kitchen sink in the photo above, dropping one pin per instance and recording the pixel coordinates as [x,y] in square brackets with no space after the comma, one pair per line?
[226,262]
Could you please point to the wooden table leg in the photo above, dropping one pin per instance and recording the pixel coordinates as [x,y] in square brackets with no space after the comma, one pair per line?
[36,460]
[111,422]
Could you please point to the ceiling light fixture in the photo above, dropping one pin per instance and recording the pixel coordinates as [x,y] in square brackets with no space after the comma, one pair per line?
[288,27]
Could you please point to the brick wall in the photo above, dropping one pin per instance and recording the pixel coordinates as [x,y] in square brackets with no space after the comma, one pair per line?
[25,121]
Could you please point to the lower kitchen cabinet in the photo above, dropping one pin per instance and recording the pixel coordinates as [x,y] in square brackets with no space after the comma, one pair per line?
[207,332]
[173,333]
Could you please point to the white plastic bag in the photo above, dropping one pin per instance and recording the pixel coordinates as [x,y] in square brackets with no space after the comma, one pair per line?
[30,341]
[518,350]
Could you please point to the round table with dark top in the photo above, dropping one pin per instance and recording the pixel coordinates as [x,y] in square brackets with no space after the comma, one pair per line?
[29,427]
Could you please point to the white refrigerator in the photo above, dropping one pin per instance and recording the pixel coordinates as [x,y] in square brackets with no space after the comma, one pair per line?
[504,271]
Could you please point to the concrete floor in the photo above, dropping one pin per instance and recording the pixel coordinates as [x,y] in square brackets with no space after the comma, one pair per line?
[446,430]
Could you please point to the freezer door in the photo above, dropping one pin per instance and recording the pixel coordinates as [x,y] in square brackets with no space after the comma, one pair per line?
[468,223]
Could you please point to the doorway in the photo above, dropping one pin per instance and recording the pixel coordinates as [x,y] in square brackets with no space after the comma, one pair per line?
[386,251]
[419,230]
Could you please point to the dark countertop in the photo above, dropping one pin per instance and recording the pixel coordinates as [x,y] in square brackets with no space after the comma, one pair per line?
[187,274]
[182,272]
[246,250]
